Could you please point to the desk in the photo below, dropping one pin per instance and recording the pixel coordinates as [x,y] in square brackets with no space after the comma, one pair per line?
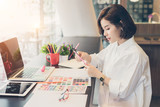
[20,102]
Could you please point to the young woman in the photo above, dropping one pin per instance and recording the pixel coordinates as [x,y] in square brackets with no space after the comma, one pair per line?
[125,76]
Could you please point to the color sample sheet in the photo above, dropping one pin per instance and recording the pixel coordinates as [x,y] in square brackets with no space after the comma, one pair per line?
[39,100]
[59,84]
[60,88]
[70,77]
[69,80]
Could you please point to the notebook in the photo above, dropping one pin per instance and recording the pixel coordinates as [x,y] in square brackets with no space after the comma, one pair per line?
[14,66]
[72,64]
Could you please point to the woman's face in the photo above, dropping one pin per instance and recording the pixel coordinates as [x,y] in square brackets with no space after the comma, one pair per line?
[111,32]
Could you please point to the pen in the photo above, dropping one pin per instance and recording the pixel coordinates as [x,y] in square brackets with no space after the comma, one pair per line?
[75,49]
[80,57]
[64,95]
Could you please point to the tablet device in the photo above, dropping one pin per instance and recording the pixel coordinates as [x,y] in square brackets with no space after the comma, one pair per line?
[20,89]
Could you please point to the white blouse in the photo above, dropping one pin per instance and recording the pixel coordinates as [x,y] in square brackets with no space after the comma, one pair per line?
[128,67]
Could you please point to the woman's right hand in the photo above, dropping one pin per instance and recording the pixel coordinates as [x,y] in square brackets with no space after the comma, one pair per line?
[85,56]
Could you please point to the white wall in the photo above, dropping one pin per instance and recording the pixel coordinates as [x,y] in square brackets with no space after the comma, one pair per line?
[77,17]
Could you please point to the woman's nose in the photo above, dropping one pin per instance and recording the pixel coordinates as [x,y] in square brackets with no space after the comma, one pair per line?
[105,33]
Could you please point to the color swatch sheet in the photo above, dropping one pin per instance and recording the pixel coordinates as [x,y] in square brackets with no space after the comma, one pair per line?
[70,77]
[59,84]
[50,99]
[69,80]
[75,80]
[60,88]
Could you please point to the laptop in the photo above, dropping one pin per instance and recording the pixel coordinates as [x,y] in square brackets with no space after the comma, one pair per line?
[14,66]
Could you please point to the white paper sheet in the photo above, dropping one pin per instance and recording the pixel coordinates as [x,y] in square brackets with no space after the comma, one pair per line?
[72,64]
[49,99]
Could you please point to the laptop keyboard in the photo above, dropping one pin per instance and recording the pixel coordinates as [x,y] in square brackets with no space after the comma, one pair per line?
[27,73]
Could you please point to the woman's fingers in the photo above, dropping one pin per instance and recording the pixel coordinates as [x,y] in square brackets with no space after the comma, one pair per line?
[77,57]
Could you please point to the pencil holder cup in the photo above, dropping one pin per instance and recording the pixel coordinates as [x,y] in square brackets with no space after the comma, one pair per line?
[54,58]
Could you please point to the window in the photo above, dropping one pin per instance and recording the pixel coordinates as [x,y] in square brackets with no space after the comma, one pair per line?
[34,22]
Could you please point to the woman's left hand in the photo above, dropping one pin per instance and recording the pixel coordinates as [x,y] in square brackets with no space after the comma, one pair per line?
[93,71]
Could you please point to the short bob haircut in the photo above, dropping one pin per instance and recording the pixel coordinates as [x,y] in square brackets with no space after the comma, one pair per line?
[118,16]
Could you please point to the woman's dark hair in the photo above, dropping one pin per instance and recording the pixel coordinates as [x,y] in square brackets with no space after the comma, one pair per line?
[118,16]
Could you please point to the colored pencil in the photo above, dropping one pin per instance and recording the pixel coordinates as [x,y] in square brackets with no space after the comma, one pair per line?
[53,48]
[48,49]
[57,49]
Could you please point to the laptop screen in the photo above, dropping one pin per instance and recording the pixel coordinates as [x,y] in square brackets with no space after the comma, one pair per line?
[11,56]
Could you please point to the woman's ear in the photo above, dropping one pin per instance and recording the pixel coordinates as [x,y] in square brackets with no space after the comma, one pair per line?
[121,21]
[121,24]
[121,29]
